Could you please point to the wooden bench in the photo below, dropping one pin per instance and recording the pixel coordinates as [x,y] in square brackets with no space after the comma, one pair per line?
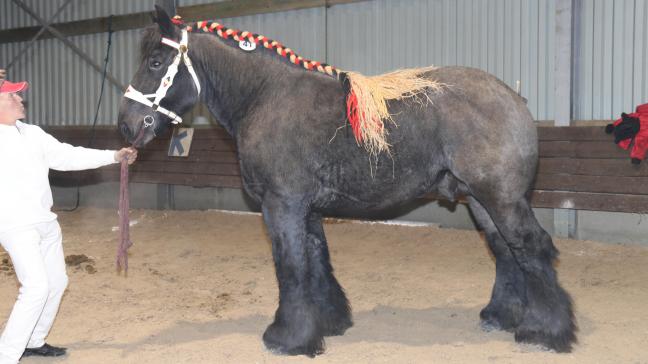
[580,167]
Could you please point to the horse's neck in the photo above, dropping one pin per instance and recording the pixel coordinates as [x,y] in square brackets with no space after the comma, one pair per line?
[234,80]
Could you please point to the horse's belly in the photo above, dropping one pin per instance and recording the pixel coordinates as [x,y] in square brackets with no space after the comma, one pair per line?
[373,196]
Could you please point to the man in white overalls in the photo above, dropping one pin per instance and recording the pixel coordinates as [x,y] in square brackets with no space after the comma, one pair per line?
[29,231]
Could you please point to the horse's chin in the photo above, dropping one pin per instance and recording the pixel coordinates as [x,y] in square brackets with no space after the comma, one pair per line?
[142,141]
[139,139]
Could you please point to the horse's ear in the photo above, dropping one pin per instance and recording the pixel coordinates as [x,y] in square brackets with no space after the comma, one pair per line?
[168,6]
[167,28]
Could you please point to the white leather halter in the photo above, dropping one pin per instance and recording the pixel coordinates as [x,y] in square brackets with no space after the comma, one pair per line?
[166,82]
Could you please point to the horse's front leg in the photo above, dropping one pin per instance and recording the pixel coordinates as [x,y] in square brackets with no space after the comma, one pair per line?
[328,295]
[296,329]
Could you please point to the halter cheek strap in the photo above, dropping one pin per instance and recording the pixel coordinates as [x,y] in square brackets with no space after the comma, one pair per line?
[167,80]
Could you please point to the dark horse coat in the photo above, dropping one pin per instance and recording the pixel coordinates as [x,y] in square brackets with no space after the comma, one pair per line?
[475,138]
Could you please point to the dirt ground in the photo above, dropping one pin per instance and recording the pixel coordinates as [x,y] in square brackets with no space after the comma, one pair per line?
[201,289]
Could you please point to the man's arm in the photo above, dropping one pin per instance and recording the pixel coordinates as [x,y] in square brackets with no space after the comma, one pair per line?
[129,153]
[65,157]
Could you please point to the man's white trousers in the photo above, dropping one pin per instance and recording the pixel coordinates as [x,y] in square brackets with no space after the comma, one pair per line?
[37,256]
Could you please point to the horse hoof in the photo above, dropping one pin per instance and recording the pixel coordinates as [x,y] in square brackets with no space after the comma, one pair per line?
[337,328]
[278,340]
[489,325]
[497,320]
[549,319]
[561,342]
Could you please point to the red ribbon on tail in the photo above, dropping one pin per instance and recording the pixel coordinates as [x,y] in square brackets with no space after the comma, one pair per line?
[353,115]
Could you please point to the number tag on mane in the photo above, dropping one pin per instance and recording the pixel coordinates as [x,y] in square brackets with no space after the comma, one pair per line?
[246,45]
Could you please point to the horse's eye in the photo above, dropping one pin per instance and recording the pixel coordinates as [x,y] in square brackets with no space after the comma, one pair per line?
[155,64]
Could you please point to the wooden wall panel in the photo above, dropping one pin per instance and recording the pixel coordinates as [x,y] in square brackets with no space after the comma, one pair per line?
[579,167]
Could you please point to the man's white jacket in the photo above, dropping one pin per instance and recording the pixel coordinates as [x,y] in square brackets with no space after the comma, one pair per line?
[26,155]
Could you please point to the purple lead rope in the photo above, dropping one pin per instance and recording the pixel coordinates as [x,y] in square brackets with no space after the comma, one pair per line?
[124,218]
[124,207]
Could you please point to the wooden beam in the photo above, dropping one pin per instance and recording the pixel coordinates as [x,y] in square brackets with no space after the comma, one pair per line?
[590,201]
[593,167]
[594,184]
[573,133]
[578,149]
[225,9]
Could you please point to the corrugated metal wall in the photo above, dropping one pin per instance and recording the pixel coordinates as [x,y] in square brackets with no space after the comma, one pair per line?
[65,89]
[612,71]
[512,39]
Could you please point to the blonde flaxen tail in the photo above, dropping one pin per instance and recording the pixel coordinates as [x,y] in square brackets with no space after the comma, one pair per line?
[367,102]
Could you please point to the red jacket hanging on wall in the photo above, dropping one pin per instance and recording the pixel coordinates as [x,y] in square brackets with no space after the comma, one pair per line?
[632,127]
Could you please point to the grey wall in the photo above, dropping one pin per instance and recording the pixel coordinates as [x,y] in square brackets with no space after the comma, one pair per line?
[512,39]
[612,53]
[65,89]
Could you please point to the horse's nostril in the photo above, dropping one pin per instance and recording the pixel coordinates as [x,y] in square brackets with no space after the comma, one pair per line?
[125,130]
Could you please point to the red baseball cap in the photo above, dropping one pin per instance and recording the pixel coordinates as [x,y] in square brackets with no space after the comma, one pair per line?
[13,87]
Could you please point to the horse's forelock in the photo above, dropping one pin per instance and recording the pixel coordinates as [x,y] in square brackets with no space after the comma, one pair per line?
[151,39]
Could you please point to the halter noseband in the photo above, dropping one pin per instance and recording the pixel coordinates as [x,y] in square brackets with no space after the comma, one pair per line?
[167,81]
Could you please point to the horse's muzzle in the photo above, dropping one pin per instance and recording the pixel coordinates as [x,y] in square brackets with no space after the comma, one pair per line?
[126,132]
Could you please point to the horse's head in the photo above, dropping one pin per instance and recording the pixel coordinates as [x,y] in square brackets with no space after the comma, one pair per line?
[164,87]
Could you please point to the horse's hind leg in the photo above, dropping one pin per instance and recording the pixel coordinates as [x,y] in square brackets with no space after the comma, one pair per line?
[296,328]
[548,318]
[328,295]
[508,300]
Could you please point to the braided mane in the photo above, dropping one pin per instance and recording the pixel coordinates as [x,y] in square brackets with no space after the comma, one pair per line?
[209,26]
[366,97]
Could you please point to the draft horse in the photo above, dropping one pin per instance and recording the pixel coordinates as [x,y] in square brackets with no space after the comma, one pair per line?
[475,138]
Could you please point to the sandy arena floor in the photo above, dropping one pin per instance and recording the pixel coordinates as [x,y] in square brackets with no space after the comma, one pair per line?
[201,289]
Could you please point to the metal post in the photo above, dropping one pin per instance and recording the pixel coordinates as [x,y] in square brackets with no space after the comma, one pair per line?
[564,219]
[563,54]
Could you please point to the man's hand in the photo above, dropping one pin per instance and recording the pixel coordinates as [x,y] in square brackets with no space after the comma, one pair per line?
[130,154]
